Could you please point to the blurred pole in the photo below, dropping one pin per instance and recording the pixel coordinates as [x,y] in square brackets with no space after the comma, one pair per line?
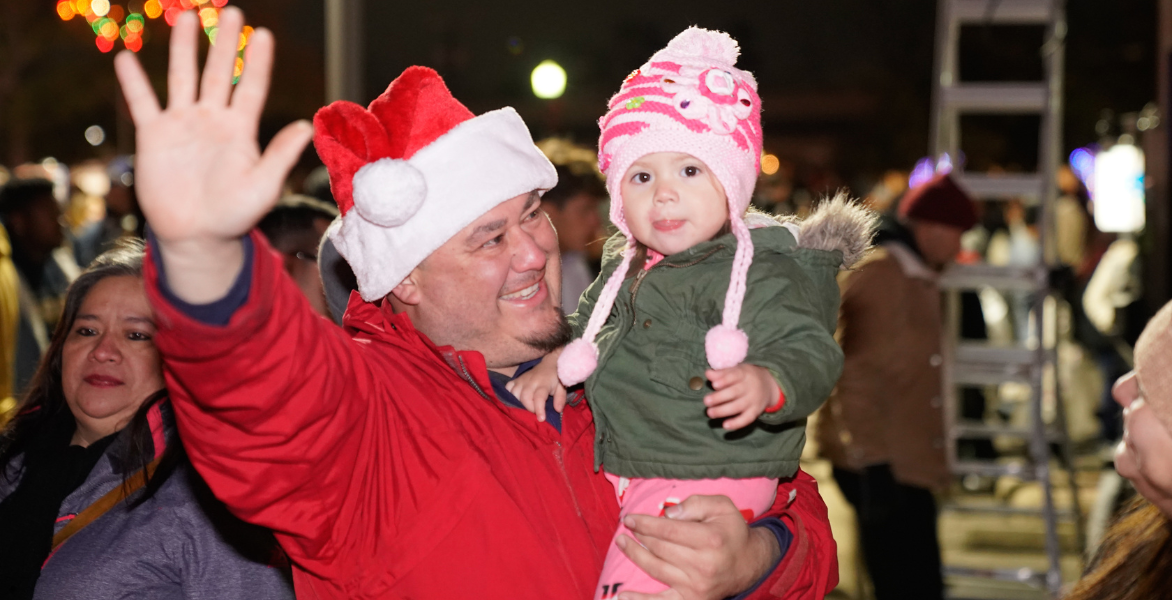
[344,44]
[1159,162]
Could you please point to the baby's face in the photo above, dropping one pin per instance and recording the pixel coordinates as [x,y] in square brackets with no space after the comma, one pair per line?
[672,201]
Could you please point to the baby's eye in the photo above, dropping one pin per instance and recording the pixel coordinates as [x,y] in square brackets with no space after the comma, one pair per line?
[691,171]
[641,177]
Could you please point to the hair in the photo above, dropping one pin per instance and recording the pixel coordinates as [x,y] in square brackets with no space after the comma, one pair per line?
[19,194]
[294,215]
[44,402]
[573,180]
[1134,562]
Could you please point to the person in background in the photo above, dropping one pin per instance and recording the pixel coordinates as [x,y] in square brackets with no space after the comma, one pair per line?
[295,227]
[883,427]
[123,216]
[30,213]
[572,207]
[9,325]
[97,499]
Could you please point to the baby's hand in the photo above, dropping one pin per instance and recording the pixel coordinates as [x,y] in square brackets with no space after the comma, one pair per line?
[536,385]
[742,392]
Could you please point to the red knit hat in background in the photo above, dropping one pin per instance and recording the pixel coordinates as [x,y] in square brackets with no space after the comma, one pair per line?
[939,200]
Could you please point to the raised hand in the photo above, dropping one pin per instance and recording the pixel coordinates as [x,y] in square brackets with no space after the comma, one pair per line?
[201,179]
[742,393]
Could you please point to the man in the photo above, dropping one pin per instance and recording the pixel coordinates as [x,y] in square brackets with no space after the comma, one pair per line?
[883,427]
[32,217]
[389,463]
[294,228]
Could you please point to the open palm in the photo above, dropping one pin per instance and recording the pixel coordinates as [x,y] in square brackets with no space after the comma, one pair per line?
[199,172]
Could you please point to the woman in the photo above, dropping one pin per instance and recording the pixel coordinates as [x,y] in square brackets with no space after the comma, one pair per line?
[1135,558]
[96,497]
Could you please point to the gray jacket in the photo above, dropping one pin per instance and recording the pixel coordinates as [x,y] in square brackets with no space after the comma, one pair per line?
[179,544]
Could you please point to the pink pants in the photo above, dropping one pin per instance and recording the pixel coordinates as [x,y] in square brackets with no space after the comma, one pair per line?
[650,497]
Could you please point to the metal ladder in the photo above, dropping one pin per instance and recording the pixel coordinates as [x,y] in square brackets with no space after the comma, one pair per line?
[1033,363]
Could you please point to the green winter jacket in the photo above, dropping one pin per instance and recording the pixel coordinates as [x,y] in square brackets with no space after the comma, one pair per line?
[647,391]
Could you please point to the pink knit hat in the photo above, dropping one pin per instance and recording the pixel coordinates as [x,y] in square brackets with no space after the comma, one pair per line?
[688,98]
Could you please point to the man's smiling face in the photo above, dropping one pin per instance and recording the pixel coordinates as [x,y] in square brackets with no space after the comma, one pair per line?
[494,287]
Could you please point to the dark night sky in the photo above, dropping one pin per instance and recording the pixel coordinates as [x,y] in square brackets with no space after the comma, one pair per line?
[845,83]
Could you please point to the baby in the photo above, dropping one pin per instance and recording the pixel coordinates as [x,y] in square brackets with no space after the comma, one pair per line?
[703,344]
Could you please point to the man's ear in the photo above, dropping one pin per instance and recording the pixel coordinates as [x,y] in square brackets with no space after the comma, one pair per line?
[408,292]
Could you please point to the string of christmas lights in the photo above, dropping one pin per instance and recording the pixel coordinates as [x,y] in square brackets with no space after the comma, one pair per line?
[112,21]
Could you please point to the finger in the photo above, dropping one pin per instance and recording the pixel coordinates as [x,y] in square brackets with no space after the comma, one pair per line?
[727,394]
[182,70]
[724,377]
[539,405]
[218,71]
[250,94]
[651,564]
[728,409]
[741,421]
[698,508]
[281,154]
[136,88]
[559,398]
[683,530]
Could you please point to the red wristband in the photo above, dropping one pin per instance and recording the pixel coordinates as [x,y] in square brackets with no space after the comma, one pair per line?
[780,401]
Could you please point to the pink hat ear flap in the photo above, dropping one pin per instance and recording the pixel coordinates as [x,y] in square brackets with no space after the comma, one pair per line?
[580,357]
[726,345]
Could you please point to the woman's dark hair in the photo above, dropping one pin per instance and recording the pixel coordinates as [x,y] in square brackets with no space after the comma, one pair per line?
[44,402]
[1134,562]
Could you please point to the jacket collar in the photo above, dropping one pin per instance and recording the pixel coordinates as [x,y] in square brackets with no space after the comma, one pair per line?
[776,239]
[910,263]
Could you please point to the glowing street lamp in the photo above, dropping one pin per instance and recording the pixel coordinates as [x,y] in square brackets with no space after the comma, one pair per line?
[548,80]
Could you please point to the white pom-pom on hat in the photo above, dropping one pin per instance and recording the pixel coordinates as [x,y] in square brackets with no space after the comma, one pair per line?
[703,43]
[388,191]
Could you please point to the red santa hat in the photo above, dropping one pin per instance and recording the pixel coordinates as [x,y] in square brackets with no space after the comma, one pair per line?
[413,169]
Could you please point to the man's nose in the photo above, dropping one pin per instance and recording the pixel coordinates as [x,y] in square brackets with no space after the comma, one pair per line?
[1126,389]
[528,255]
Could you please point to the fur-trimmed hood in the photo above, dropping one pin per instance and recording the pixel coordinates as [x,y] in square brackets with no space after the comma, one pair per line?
[838,223]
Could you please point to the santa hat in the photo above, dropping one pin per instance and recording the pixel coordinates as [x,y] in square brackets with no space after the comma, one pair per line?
[413,169]
[688,98]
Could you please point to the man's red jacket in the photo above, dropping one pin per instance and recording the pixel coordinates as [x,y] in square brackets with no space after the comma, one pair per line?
[388,469]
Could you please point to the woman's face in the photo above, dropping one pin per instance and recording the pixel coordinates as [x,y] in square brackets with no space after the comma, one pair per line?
[109,364]
[1145,454]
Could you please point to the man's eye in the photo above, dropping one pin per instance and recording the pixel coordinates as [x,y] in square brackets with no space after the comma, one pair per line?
[85,331]
[138,336]
[493,242]
[533,215]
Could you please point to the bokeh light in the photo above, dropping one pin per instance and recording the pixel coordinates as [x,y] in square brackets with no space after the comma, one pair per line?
[116,13]
[100,7]
[209,17]
[770,164]
[94,134]
[548,80]
[65,10]
[152,9]
[82,7]
[105,45]
[239,68]
[924,170]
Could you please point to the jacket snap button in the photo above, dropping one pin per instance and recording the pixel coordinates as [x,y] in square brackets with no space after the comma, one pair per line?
[696,383]
[647,324]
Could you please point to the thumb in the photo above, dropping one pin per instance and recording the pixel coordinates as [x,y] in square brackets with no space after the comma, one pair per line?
[559,398]
[282,153]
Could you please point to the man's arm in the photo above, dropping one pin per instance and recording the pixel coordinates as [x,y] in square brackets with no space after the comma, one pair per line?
[271,405]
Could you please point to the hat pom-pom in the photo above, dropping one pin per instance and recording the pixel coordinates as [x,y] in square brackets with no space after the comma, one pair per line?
[726,346]
[388,191]
[707,44]
[577,362]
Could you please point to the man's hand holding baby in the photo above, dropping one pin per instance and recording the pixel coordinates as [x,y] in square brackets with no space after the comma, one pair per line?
[742,393]
[536,385]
